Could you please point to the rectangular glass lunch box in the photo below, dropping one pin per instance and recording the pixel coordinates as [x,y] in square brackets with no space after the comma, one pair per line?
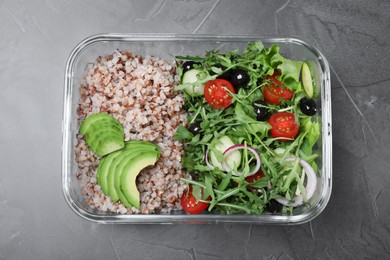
[166,47]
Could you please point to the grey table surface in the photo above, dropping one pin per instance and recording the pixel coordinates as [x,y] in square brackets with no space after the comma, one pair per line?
[36,39]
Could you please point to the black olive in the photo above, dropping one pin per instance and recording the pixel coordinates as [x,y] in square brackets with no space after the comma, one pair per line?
[308,106]
[225,76]
[261,111]
[239,79]
[194,176]
[274,207]
[189,65]
[195,128]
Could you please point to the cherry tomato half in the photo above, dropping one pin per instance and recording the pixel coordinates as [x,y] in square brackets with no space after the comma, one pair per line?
[255,177]
[283,125]
[274,91]
[216,93]
[190,204]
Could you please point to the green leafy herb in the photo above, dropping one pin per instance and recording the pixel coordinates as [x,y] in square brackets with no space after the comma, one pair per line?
[234,194]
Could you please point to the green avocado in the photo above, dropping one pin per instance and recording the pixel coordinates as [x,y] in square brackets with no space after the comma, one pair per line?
[98,130]
[130,173]
[105,143]
[108,145]
[105,163]
[92,119]
[101,173]
[102,125]
[133,142]
[123,159]
[103,133]
[111,168]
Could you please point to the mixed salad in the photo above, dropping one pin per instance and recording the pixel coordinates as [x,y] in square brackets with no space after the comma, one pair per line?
[252,128]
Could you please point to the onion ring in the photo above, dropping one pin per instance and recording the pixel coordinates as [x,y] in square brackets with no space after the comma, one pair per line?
[239,147]
[230,150]
[310,186]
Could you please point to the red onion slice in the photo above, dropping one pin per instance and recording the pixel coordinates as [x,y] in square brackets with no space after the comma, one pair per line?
[311,185]
[230,150]
[241,147]
[206,158]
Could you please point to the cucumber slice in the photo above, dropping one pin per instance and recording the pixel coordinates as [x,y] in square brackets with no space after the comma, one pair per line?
[232,160]
[192,76]
[307,80]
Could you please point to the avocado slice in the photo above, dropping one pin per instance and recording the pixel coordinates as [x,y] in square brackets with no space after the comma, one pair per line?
[103,133]
[103,167]
[94,139]
[100,135]
[100,126]
[122,157]
[98,130]
[99,168]
[102,170]
[108,145]
[105,163]
[130,173]
[93,119]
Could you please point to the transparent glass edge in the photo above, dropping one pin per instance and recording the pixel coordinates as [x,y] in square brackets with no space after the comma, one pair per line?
[204,219]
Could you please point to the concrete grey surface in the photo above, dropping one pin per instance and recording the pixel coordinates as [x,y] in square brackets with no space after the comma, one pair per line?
[36,39]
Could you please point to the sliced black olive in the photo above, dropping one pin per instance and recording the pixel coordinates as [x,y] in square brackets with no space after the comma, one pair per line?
[308,106]
[195,128]
[189,65]
[239,79]
[274,207]
[261,111]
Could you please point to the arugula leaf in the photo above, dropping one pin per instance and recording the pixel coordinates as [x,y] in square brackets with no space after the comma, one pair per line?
[209,191]
[225,181]
[251,125]
[182,133]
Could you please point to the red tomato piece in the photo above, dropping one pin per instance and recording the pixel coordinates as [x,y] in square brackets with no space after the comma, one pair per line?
[274,92]
[255,177]
[216,93]
[190,204]
[283,125]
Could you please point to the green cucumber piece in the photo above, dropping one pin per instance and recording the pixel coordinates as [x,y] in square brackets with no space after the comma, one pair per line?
[191,76]
[232,160]
[307,80]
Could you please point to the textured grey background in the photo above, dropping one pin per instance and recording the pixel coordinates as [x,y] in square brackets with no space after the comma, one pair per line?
[35,41]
